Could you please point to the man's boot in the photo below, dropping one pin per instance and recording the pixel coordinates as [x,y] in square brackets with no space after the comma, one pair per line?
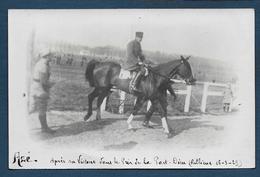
[136,80]
[44,125]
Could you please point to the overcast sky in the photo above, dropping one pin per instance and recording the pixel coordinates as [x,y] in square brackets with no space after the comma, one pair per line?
[226,35]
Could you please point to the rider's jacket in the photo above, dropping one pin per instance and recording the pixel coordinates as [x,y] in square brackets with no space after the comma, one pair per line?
[134,53]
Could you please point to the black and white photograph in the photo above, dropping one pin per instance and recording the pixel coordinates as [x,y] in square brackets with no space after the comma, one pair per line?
[131,88]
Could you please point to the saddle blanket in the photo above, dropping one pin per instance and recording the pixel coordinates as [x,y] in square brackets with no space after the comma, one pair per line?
[125,74]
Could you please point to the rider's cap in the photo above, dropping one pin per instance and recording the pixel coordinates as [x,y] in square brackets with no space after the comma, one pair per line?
[139,34]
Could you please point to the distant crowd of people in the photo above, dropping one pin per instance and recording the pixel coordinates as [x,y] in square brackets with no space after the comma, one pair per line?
[80,60]
[68,59]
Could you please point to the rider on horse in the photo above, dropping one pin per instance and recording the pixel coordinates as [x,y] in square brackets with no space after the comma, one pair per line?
[135,58]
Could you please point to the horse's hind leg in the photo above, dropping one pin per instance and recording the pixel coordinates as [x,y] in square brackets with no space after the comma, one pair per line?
[104,93]
[91,97]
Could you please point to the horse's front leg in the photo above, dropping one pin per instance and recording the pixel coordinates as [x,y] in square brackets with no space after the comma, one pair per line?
[163,111]
[139,102]
[152,108]
[170,89]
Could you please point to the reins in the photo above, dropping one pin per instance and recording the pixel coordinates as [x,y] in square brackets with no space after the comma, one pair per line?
[172,73]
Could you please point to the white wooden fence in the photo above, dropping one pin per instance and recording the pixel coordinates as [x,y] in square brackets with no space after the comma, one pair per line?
[205,94]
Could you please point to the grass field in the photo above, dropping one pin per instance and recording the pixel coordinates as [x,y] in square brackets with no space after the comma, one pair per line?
[70,90]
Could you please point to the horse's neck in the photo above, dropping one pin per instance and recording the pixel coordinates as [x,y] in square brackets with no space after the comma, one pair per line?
[166,68]
[163,71]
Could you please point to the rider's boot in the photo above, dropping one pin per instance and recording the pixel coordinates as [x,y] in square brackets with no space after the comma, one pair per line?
[136,80]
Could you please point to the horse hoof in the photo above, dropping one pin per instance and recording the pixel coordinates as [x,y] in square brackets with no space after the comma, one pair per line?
[48,130]
[147,125]
[132,129]
[169,135]
[86,117]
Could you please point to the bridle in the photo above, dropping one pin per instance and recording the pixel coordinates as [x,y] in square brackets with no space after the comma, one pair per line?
[172,73]
[174,70]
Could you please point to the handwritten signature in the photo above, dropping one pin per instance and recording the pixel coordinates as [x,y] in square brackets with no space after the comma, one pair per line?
[21,159]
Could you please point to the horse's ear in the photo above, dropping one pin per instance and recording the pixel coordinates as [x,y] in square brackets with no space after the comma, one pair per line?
[182,58]
[188,58]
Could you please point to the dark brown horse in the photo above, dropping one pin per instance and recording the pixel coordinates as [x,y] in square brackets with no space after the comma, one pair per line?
[105,75]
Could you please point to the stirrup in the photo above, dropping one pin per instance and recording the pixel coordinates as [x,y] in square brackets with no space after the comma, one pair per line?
[135,89]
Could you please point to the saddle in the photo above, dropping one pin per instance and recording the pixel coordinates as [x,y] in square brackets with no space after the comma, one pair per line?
[129,73]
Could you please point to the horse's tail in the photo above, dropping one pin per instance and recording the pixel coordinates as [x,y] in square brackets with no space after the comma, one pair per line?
[89,72]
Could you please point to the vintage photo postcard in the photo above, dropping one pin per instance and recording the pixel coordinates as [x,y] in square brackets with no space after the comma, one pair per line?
[131,89]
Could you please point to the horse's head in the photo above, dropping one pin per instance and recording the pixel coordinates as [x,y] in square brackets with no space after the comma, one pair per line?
[185,72]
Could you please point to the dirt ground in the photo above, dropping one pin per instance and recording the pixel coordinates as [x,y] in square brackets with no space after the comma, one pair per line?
[110,133]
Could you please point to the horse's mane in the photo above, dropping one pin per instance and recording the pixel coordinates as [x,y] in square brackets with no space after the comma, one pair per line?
[162,66]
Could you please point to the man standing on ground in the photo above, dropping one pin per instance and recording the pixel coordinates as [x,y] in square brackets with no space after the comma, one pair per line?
[39,92]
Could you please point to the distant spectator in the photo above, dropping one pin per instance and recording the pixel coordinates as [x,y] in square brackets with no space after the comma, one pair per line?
[227,101]
[58,60]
